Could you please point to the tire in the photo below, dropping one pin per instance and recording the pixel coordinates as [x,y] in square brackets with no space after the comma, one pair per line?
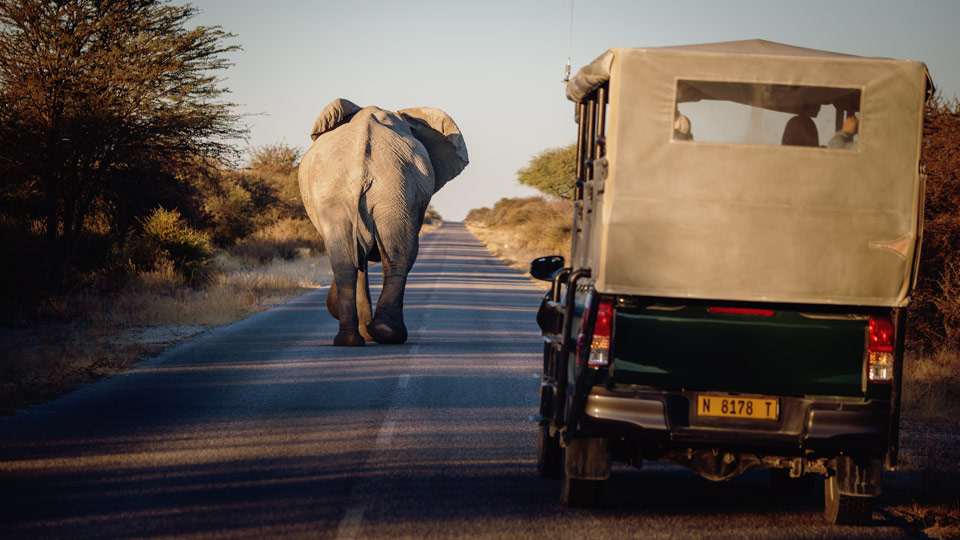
[845,509]
[577,493]
[548,359]
[781,481]
[549,455]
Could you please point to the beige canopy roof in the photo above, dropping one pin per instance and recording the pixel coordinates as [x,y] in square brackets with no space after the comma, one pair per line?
[750,222]
[596,73]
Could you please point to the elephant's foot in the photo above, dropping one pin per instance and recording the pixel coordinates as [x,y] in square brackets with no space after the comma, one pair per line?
[386,334]
[348,339]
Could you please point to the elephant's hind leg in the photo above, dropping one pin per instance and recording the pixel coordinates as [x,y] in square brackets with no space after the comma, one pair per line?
[387,327]
[363,302]
[349,331]
[398,250]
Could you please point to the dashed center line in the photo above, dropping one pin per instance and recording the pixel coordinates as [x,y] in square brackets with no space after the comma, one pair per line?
[350,524]
[386,432]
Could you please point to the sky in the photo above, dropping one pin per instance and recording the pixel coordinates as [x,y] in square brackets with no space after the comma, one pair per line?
[496,66]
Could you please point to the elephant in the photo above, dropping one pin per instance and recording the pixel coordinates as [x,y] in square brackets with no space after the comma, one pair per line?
[366,182]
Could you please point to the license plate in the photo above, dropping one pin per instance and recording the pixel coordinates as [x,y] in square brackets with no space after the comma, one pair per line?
[738,407]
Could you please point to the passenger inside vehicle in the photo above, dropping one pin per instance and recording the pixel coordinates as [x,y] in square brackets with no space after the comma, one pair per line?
[681,128]
[800,131]
[845,138]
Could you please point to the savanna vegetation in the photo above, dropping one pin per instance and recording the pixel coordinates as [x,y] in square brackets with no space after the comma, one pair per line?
[125,203]
[519,230]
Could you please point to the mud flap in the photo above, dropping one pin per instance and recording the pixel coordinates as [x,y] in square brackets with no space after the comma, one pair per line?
[587,459]
[860,478]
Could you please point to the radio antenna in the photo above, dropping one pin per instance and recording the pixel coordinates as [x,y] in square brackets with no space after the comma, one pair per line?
[566,71]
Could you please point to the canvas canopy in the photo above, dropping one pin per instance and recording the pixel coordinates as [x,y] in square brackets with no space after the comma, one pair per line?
[720,214]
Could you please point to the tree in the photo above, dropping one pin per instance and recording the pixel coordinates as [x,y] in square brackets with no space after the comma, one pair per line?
[552,171]
[277,157]
[101,102]
[934,313]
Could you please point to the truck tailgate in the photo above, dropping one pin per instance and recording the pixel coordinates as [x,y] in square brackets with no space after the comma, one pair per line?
[778,352]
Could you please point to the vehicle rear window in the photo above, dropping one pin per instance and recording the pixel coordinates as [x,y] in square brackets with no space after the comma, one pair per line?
[767,114]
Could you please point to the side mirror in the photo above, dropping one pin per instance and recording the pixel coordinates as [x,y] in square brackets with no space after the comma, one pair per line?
[544,268]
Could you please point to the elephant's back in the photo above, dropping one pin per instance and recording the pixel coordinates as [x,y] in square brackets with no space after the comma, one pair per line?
[374,143]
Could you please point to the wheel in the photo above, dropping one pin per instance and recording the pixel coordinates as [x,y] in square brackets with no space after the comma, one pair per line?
[549,456]
[783,482]
[577,493]
[845,509]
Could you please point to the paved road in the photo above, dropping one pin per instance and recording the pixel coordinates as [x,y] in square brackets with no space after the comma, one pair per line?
[262,429]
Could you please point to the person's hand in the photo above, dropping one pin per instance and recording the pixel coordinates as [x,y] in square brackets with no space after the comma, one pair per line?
[851,125]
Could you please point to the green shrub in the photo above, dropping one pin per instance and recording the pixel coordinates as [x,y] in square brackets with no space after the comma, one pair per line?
[231,213]
[552,171]
[167,241]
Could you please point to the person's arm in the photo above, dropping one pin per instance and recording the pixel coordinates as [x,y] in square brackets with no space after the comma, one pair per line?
[844,137]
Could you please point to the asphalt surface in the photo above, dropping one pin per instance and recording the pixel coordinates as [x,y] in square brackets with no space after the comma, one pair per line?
[262,429]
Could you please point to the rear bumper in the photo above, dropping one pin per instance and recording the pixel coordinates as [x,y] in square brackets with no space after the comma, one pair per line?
[669,420]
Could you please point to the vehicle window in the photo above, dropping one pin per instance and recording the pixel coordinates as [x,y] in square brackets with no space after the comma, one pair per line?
[767,114]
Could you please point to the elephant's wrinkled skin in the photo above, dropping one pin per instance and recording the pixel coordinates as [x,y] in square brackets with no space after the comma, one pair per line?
[366,182]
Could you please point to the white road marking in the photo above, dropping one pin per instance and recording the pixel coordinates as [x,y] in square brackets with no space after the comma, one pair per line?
[386,432]
[350,524]
[352,521]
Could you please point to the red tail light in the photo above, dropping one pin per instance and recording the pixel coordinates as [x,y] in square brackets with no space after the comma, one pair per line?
[880,342]
[602,332]
[881,334]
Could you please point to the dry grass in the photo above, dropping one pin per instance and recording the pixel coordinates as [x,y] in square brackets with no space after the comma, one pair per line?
[520,230]
[936,520]
[109,333]
[931,387]
[286,239]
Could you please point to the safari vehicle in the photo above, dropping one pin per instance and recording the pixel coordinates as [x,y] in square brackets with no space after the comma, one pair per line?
[736,290]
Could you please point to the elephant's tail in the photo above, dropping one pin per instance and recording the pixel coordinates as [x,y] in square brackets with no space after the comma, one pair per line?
[355,236]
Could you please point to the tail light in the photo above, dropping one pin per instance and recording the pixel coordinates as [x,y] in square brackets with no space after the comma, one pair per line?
[880,343]
[599,353]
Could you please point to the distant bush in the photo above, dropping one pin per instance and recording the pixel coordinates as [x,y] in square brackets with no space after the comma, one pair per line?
[278,157]
[237,203]
[934,313]
[431,216]
[538,224]
[286,239]
[165,242]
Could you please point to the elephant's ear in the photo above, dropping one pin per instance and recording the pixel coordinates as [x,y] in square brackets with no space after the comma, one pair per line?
[334,114]
[442,139]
